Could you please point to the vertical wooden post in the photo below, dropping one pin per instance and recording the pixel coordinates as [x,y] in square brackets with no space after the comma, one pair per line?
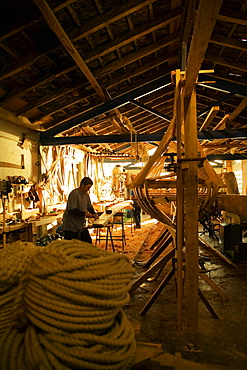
[4,220]
[179,204]
[191,211]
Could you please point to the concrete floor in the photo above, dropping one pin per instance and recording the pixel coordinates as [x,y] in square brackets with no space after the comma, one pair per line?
[221,342]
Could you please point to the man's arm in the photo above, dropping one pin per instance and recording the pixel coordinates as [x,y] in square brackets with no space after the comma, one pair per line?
[91,213]
[76,212]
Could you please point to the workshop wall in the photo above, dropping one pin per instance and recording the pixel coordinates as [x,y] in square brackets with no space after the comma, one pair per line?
[244,171]
[14,148]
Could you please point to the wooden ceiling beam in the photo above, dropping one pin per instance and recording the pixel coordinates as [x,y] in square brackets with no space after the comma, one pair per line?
[228,117]
[188,20]
[210,117]
[37,82]
[153,64]
[222,122]
[55,26]
[39,102]
[204,25]
[53,110]
[239,109]
[130,36]
[233,16]
[134,34]
[113,66]
[59,106]
[26,62]
[75,85]
[109,17]
[228,42]
[227,146]
[233,64]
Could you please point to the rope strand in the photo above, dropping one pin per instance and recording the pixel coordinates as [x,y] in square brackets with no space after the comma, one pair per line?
[63,309]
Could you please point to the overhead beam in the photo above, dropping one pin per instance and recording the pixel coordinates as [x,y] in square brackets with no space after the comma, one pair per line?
[210,117]
[147,50]
[205,21]
[217,103]
[132,35]
[212,157]
[228,42]
[233,16]
[108,106]
[221,84]
[240,134]
[98,139]
[55,26]
[235,65]
[151,110]
[223,134]
[107,18]
[226,157]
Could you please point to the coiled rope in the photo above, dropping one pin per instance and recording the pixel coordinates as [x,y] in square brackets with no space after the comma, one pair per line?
[14,258]
[67,312]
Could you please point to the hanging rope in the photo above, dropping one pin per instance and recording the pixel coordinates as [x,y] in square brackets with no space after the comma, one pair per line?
[67,312]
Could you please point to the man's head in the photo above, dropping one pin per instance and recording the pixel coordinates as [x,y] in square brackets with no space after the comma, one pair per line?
[85,184]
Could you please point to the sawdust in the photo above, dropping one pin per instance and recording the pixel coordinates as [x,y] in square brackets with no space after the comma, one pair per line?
[138,241]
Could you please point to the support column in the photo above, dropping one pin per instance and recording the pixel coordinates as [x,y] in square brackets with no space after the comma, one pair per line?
[179,203]
[191,211]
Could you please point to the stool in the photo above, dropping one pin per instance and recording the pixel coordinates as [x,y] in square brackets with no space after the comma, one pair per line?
[108,235]
[118,219]
[131,219]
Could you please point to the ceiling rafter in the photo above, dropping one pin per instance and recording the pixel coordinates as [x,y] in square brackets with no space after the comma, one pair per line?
[55,26]
[125,49]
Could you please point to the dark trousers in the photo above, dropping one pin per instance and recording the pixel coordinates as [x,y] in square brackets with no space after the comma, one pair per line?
[82,235]
[137,214]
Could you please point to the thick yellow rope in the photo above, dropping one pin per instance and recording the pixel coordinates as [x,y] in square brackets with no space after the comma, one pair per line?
[67,311]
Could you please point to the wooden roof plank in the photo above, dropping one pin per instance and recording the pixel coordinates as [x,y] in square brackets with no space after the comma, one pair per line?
[55,26]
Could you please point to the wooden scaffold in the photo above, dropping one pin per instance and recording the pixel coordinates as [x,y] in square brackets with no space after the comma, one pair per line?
[193,185]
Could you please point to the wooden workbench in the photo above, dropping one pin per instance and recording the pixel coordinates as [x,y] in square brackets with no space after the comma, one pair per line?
[33,229]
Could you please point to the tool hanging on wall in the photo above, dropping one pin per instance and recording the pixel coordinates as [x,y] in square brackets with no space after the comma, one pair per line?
[14,165]
[5,189]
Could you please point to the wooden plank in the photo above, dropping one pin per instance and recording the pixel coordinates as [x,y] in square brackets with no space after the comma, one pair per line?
[158,265]
[104,219]
[215,287]
[205,21]
[10,165]
[209,118]
[227,146]
[157,292]
[14,165]
[207,304]
[239,109]
[161,184]
[205,244]
[222,122]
